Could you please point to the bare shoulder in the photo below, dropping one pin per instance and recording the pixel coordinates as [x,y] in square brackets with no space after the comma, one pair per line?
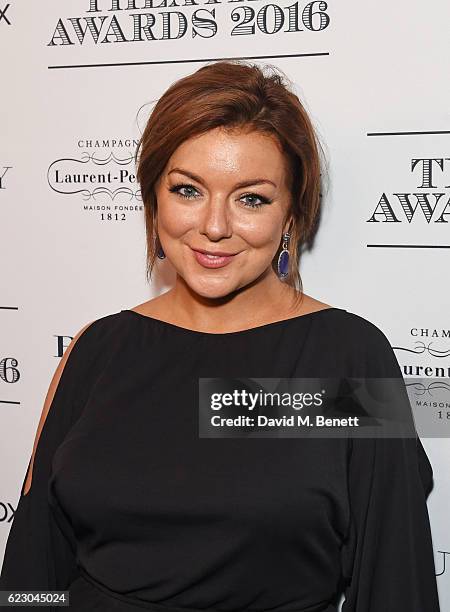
[49,399]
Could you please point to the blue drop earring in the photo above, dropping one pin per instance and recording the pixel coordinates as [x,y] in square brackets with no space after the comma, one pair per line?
[283,258]
[160,252]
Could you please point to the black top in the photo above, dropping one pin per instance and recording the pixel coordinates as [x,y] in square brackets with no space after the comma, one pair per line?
[126,493]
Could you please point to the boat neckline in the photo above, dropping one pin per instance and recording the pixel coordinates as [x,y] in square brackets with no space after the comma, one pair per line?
[232,333]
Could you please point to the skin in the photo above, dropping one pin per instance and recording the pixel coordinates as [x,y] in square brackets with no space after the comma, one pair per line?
[217,215]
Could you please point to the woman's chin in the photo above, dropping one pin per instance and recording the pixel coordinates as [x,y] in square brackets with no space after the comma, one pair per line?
[212,288]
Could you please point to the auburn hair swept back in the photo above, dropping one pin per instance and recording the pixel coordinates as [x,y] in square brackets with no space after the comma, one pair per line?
[236,94]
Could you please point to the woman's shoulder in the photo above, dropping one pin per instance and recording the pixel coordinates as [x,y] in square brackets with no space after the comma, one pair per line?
[345,324]
[99,327]
[98,337]
[358,326]
[362,343]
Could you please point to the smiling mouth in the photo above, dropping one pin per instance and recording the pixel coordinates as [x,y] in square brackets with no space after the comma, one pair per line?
[215,253]
[212,260]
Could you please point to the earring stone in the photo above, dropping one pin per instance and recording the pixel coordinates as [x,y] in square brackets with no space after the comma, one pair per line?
[283,258]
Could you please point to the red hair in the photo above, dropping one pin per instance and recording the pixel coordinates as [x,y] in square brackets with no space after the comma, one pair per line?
[235,94]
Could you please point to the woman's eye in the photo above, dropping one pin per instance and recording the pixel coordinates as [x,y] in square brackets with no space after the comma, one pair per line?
[253,204]
[189,188]
[189,192]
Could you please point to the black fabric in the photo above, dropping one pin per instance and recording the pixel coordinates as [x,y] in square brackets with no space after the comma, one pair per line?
[130,508]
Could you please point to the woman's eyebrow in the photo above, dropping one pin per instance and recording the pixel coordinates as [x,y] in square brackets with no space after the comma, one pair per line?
[248,183]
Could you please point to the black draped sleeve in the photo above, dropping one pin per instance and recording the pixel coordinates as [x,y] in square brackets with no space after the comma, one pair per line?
[387,558]
[40,550]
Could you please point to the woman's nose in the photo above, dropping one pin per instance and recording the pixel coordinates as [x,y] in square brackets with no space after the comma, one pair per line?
[215,219]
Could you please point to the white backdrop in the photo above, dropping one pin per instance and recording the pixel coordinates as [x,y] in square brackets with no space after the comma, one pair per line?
[77,79]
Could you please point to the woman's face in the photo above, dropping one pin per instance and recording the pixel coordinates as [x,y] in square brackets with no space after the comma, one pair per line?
[223,192]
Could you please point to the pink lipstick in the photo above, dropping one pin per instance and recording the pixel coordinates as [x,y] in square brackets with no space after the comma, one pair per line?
[212,260]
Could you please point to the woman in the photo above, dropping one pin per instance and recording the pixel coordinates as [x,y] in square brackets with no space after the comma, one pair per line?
[124,505]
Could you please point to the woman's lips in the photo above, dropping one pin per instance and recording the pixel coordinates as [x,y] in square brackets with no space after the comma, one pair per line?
[208,261]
